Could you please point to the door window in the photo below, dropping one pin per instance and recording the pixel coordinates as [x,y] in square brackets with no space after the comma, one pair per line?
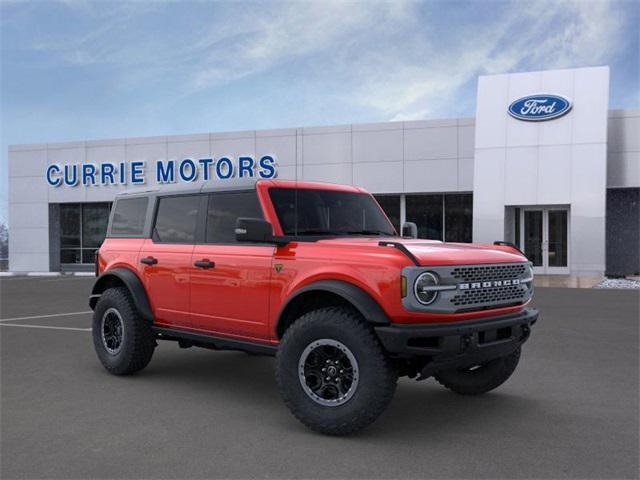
[558,238]
[128,217]
[176,219]
[533,236]
[223,212]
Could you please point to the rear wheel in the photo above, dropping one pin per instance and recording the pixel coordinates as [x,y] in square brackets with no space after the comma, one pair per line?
[332,372]
[480,378]
[124,342]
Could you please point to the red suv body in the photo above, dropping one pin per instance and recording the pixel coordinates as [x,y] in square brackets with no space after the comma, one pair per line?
[316,275]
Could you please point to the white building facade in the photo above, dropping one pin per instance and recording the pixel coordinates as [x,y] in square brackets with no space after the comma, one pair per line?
[562,181]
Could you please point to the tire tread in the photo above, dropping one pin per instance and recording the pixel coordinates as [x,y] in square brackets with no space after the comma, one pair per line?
[139,338]
[340,318]
[480,381]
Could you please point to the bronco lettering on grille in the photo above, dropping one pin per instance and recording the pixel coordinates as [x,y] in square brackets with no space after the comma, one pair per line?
[494,283]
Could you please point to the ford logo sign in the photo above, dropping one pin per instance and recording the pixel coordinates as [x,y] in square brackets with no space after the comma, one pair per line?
[536,108]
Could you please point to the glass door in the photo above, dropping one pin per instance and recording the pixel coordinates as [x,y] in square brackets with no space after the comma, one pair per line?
[544,234]
[557,245]
[533,240]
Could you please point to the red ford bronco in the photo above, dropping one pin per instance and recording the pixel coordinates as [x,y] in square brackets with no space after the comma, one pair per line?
[316,275]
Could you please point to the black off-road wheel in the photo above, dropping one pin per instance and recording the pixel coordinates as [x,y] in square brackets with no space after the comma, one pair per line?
[481,378]
[332,372]
[124,342]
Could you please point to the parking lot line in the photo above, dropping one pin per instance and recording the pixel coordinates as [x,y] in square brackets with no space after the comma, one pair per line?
[15,319]
[44,326]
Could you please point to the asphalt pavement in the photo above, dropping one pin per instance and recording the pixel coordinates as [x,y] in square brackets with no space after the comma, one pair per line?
[569,411]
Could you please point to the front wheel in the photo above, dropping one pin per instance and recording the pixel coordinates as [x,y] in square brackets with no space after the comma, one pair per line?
[481,378]
[332,372]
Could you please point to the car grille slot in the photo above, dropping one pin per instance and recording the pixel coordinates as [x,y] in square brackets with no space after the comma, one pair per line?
[493,295]
[480,273]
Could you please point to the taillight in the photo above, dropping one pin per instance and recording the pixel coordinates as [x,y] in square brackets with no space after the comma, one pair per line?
[96,261]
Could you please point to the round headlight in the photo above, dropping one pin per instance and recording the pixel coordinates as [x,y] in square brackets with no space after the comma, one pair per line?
[422,290]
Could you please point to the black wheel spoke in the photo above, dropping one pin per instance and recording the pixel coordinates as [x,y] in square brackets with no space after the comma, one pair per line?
[328,372]
[112,331]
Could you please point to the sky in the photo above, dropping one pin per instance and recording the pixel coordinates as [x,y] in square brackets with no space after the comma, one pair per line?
[76,70]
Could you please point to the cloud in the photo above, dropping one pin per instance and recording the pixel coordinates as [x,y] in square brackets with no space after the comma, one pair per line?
[297,30]
[401,60]
[524,36]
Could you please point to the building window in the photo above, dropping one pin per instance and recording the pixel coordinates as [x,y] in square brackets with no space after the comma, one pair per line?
[447,217]
[426,211]
[391,206]
[458,217]
[83,227]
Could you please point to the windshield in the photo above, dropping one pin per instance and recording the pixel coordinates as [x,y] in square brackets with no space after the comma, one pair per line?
[328,212]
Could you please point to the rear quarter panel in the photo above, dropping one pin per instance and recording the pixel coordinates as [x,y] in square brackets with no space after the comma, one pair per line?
[120,253]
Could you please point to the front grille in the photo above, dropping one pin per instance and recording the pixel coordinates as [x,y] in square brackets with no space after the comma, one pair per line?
[466,288]
[493,295]
[480,273]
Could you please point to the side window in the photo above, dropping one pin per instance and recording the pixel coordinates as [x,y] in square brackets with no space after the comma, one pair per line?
[224,210]
[176,219]
[128,217]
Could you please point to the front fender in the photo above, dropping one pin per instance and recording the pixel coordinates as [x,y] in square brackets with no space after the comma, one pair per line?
[356,296]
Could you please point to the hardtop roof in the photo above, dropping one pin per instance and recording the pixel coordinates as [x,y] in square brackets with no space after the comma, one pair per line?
[229,186]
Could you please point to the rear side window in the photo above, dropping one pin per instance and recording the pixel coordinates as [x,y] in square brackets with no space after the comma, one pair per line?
[176,219]
[224,210]
[128,217]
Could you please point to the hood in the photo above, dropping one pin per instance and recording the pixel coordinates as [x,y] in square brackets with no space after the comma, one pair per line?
[433,252]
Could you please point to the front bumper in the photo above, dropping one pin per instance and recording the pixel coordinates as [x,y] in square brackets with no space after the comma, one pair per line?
[461,344]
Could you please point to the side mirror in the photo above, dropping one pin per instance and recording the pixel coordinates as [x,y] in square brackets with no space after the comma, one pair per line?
[409,230]
[255,230]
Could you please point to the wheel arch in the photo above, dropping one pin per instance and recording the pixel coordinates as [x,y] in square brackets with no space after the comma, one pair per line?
[325,293]
[122,277]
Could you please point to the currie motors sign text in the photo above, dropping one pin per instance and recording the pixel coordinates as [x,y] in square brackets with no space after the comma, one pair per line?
[536,108]
[165,171]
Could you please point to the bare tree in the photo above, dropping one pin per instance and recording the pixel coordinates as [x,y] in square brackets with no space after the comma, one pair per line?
[4,241]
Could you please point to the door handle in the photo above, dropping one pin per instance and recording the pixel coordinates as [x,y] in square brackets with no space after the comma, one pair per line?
[149,260]
[204,264]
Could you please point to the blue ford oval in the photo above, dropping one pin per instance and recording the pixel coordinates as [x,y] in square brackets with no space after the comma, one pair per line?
[536,108]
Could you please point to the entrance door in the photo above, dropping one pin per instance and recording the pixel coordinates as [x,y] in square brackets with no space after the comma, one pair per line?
[544,237]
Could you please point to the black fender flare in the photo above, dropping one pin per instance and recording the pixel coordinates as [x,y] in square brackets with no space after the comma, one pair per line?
[370,310]
[133,284]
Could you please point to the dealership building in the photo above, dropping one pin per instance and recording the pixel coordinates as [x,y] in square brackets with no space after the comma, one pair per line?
[544,164]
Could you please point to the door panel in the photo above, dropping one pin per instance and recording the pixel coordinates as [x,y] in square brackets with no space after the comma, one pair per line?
[167,281]
[232,297]
[168,258]
[558,248]
[557,241]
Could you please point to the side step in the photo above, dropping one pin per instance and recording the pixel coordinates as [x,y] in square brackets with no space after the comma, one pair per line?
[213,342]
